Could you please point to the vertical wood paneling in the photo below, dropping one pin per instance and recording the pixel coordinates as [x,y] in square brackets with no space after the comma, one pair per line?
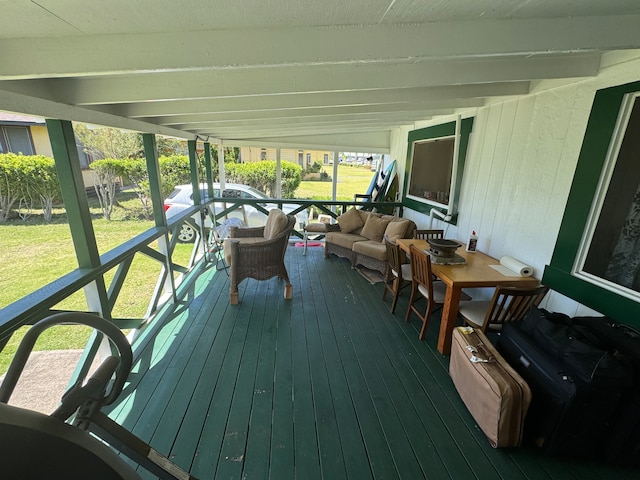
[520,163]
[535,140]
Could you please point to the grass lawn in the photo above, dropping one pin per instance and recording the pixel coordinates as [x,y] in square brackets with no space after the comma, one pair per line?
[351,180]
[34,253]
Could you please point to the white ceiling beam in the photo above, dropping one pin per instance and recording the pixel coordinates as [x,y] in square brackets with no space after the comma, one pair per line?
[394,116]
[295,129]
[370,141]
[258,136]
[309,79]
[13,102]
[436,97]
[331,45]
[419,109]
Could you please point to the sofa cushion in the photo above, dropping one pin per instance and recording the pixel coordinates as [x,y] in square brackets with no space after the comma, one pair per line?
[345,240]
[371,248]
[276,224]
[374,228]
[350,220]
[397,229]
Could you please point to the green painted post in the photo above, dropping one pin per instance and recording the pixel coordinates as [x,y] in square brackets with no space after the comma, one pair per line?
[208,169]
[155,181]
[63,145]
[65,154]
[193,164]
[157,199]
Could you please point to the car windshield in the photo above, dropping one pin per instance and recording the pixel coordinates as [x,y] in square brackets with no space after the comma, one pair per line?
[257,193]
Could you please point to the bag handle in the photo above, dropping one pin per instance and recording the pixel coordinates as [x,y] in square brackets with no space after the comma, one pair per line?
[480,354]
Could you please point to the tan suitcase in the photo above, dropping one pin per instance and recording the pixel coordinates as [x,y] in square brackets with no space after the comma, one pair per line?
[495,394]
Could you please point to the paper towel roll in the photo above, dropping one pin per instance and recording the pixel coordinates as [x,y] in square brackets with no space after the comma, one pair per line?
[516,266]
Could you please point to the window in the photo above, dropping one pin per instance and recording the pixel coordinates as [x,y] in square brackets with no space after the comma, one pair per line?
[16,139]
[308,159]
[325,158]
[263,154]
[432,170]
[610,248]
[435,171]
[596,260]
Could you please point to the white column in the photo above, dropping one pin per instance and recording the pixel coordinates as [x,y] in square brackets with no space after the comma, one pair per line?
[334,180]
[278,174]
[221,166]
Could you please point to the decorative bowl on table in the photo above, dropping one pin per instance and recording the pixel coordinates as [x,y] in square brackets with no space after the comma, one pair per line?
[441,247]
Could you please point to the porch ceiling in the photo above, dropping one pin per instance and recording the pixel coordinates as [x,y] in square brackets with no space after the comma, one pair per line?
[320,73]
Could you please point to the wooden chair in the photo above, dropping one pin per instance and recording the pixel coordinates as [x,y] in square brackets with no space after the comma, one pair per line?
[258,253]
[508,304]
[427,234]
[423,286]
[398,274]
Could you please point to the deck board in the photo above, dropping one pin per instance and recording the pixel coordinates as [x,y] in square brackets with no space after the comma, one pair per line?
[327,385]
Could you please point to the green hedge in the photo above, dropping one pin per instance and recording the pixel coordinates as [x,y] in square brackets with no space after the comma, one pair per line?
[27,182]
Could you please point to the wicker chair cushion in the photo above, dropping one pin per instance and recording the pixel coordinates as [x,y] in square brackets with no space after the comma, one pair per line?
[350,221]
[276,224]
[227,249]
[397,229]
[374,228]
[371,248]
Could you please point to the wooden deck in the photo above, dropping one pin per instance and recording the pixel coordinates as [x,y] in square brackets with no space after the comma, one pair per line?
[327,385]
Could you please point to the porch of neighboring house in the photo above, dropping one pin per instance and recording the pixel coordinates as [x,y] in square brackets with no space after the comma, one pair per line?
[327,385]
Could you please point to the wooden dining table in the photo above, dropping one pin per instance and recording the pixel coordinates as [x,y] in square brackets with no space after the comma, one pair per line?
[474,273]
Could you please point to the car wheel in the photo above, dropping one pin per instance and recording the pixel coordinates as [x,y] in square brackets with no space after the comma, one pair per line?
[186,234]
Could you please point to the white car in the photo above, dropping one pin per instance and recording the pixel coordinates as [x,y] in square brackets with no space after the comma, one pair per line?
[182,198]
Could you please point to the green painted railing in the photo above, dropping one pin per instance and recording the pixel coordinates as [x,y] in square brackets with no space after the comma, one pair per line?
[152,243]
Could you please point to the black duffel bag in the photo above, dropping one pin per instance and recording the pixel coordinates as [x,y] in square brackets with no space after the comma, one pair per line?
[622,442]
[587,359]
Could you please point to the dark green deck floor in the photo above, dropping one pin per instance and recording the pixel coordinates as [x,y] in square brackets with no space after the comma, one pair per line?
[327,385]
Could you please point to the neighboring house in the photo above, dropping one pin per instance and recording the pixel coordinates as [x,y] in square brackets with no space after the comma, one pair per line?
[304,158]
[24,134]
[28,135]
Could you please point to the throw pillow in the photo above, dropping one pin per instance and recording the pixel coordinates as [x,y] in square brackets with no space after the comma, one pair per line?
[374,228]
[276,223]
[350,221]
[396,230]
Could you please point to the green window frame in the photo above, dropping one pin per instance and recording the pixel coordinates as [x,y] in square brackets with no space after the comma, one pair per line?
[562,273]
[439,131]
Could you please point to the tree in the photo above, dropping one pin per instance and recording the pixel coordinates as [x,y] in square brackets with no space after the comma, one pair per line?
[48,188]
[28,180]
[109,142]
[10,180]
[40,184]
[262,175]
[171,146]
[135,170]
[174,170]
[106,173]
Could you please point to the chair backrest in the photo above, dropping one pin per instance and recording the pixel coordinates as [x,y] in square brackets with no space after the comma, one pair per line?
[394,256]
[277,223]
[512,305]
[427,234]
[421,269]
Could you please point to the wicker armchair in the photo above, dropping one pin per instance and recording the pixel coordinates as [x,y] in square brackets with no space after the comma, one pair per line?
[258,252]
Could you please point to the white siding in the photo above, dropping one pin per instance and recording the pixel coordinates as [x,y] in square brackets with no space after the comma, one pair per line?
[520,164]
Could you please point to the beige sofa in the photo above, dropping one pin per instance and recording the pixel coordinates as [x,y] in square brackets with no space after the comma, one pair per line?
[359,234]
